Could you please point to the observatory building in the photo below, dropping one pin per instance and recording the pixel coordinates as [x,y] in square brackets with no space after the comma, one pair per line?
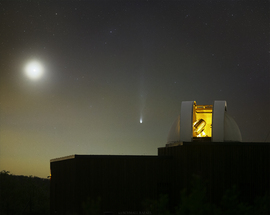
[203,140]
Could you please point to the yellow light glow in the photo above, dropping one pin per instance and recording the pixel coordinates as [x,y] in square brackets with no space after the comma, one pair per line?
[202,134]
[202,120]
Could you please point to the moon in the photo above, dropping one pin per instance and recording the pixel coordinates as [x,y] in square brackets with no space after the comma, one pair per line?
[34,70]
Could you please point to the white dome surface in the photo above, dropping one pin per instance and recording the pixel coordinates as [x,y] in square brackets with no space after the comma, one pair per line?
[174,133]
[231,130]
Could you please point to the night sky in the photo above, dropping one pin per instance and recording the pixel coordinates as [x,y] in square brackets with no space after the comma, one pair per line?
[109,64]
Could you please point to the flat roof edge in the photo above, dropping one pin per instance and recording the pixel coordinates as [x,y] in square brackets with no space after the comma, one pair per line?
[99,156]
[63,158]
[232,143]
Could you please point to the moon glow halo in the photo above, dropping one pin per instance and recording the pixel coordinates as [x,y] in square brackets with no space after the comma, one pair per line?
[34,70]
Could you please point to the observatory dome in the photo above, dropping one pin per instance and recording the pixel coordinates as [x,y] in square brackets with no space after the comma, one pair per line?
[174,133]
[215,123]
[231,130]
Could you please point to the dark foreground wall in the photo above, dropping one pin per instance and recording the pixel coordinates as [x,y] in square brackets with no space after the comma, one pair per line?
[221,166]
[123,182]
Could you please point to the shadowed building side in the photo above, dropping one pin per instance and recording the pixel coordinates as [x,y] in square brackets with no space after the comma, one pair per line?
[246,165]
[121,182]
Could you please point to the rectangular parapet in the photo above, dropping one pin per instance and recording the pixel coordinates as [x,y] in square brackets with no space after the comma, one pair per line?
[99,156]
[63,158]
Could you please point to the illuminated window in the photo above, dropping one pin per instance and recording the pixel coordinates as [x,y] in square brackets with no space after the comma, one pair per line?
[202,120]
